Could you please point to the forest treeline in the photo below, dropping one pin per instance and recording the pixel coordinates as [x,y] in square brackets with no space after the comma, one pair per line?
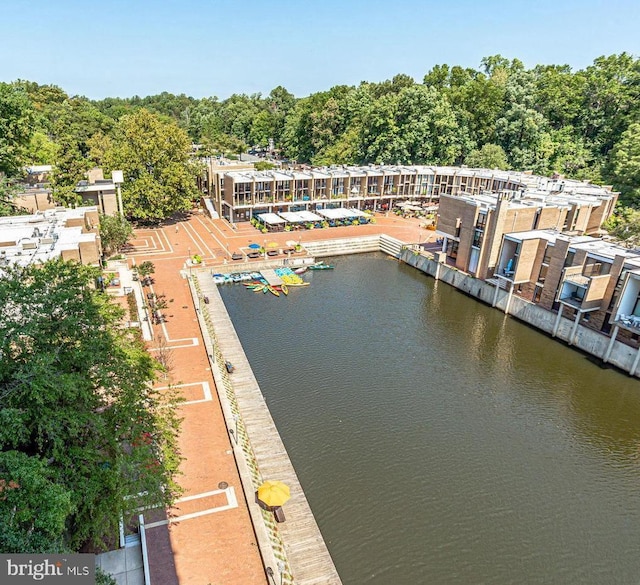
[549,119]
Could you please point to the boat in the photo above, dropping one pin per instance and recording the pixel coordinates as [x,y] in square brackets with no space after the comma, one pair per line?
[284,288]
[273,290]
[321,266]
[300,270]
[219,279]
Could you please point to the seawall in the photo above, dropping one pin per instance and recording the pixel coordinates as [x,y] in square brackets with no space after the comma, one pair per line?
[587,340]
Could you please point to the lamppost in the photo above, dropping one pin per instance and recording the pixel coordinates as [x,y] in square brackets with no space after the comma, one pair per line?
[281,567]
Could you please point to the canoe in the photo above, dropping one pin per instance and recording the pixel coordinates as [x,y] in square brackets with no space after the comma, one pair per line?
[284,289]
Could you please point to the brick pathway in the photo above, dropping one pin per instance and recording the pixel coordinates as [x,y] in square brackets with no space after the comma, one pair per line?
[210,539]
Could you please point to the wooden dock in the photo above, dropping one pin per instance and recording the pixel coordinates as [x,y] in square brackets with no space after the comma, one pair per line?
[307,557]
[269,274]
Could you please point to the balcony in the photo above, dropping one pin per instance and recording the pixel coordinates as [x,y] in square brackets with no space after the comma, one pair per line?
[627,310]
[580,291]
[628,322]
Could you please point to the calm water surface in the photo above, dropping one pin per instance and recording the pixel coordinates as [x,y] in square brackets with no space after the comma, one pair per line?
[439,441]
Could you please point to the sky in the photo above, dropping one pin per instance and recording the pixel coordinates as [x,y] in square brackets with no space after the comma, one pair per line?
[204,48]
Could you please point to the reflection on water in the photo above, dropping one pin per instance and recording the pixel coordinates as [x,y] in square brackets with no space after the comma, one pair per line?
[439,441]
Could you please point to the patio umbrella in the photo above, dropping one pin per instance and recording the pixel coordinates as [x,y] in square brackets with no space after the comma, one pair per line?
[272,245]
[291,242]
[273,493]
[255,246]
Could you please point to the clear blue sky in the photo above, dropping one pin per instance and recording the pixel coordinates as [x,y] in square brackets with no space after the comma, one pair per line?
[219,47]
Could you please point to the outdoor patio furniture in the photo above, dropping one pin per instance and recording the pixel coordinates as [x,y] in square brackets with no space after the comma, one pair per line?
[278,513]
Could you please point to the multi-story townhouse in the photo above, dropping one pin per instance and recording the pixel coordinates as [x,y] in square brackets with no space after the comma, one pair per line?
[625,313]
[238,192]
[580,277]
[473,226]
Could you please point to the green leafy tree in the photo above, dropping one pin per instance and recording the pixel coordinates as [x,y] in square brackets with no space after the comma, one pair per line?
[115,232]
[147,268]
[415,126]
[264,165]
[624,225]
[33,507]
[521,130]
[77,403]
[17,124]
[159,175]
[72,124]
[8,192]
[610,100]
[625,165]
[490,156]
[41,150]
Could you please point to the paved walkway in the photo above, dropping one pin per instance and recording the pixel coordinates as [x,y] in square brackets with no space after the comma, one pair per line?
[124,564]
[210,537]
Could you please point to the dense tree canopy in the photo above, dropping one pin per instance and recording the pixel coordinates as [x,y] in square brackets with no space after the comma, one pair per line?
[81,429]
[548,119]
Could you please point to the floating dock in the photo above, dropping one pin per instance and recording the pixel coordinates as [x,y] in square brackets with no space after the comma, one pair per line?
[269,274]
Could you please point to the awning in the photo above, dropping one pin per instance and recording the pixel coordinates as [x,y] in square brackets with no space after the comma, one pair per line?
[270,218]
[308,216]
[338,213]
[292,217]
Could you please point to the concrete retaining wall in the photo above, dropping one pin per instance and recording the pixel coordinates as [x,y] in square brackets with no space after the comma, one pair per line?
[587,340]
[343,246]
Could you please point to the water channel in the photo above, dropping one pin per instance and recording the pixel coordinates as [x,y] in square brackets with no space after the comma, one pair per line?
[439,441]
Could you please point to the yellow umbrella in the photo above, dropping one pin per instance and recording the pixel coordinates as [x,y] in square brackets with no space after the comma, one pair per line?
[273,493]
[272,245]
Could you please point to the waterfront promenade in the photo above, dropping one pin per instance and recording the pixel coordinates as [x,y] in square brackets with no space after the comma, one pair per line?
[210,537]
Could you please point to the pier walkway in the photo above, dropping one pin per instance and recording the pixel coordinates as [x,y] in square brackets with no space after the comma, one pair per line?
[299,553]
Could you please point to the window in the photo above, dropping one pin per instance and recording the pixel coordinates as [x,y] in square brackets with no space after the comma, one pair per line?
[321,187]
[543,273]
[569,259]
[452,249]
[478,236]
[302,190]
